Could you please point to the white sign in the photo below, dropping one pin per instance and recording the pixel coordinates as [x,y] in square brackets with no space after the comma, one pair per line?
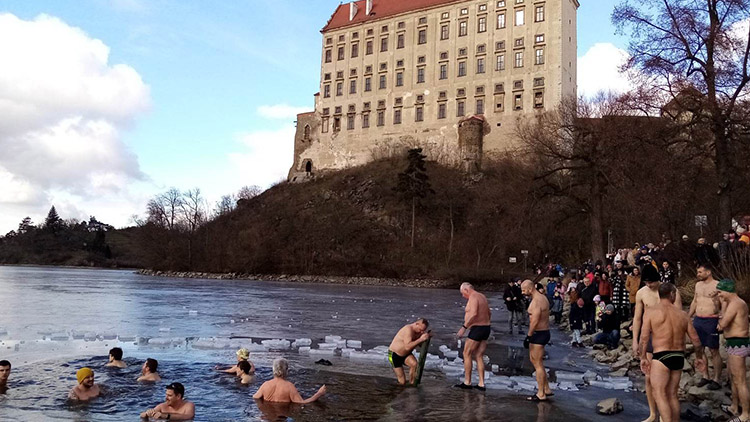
[524,252]
[512,260]
[701,221]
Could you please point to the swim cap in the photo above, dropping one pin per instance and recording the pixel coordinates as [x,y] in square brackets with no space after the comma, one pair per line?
[83,373]
[243,354]
[726,285]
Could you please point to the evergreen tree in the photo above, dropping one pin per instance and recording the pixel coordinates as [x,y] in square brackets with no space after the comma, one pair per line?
[25,226]
[53,221]
[414,183]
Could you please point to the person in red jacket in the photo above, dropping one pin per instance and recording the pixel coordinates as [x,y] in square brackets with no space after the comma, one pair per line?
[605,288]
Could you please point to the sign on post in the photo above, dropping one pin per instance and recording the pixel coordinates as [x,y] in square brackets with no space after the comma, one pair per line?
[512,260]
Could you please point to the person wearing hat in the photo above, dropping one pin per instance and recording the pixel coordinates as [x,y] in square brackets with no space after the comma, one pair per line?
[86,388]
[242,355]
[705,310]
[610,326]
[646,299]
[734,324]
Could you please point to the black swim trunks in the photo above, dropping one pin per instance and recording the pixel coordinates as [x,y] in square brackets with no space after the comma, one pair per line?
[674,361]
[540,337]
[396,360]
[707,331]
[479,332]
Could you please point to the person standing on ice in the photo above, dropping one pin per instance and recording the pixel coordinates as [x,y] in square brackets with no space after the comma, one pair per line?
[477,321]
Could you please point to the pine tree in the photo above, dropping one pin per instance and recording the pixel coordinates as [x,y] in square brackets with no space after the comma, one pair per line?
[414,183]
[53,221]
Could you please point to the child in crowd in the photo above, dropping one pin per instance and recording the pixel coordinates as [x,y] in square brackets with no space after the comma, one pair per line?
[557,306]
[576,322]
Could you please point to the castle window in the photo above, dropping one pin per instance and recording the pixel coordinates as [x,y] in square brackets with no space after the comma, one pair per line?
[368,69]
[479,90]
[539,14]
[480,106]
[353,72]
[461,92]
[518,102]
[518,42]
[382,84]
[341,38]
[327,77]
[400,63]
[444,55]
[501,3]
[397,116]
[462,52]
[399,101]
[501,20]
[399,78]
[445,15]
[463,28]
[324,125]
[423,20]
[460,108]
[370,31]
[480,65]
[366,106]
[420,75]
[482,7]
[539,56]
[520,17]
[326,91]
[400,41]
[306,133]
[481,48]
[461,68]
[517,85]
[384,28]
[355,50]
[443,71]
[337,124]
[419,114]
[401,25]
[368,84]
[519,59]
[383,66]
[482,24]
[328,56]
[443,95]
[500,62]
[384,44]
[368,47]
[339,89]
[353,86]
[422,36]
[538,82]
[539,99]
[444,32]
[464,11]
[442,110]
[329,41]
[421,59]
[355,35]
[365,120]
[350,122]
[500,45]
[341,53]
[340,75]
[381,118]
[499,88]
[539,39]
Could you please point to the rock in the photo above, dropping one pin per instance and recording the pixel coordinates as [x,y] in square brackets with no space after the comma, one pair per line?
[619,373]
[609,407]
[705,394]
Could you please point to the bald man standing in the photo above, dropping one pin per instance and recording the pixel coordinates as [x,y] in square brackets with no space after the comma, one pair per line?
[537,338]
[477,321]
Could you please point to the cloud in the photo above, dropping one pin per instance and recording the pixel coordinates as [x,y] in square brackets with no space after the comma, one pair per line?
[64,108]
[267,158]
[599,70]
[281,111]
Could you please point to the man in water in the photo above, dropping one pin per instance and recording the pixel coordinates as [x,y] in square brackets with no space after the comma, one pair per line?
[646,298]
[477,320]
[537,337]
[149,371]
[174,408]
[4,374]
[115,358]
[706,308]
[280,390]
[666,326]
[399,352]
[242,355]
[86,389]
[243,372]
[734,323]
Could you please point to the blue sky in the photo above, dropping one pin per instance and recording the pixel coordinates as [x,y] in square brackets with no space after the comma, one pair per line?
[204,116]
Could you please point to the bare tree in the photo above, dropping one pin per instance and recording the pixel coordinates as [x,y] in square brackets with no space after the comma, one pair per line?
[164,209]
[225,205]
[249,192]
[192,210]
[702,48]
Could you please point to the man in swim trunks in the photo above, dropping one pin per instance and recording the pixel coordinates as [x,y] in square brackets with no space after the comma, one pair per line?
[706,308]
[115,358]
[399,352]
[86,388]
[4,374]
[149,371]
[477,320]
[734,323]
[538,337]
[646,298]
[279,390]
[174,408]
[666,325]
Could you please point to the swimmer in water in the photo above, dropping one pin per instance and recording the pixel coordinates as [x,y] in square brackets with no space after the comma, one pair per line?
[149,371]
[242,355]
[174,408]
[115,359]
[86,388]
[243,372]
[280,390]
[4,374]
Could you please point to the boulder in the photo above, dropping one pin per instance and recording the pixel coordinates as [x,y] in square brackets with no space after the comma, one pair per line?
[611,406]
[619,373]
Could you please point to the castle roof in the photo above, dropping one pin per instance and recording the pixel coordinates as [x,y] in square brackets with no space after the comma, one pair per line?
[381,9]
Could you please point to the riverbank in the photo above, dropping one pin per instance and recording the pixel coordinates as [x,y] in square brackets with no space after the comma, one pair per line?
[359,281]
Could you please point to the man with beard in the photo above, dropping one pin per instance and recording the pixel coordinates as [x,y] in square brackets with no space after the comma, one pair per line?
[705,310]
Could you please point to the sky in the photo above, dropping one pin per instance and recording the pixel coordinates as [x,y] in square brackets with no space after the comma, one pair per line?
[106,103]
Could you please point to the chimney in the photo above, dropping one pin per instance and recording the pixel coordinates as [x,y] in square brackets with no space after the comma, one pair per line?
[368,9]
[352,11]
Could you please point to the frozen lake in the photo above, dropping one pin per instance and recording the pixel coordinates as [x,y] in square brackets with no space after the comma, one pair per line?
[55,320]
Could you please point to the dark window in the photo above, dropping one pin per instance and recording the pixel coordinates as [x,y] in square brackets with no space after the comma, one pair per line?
[365,120]
[381,118]
[353,86]
[443,71]
[397,116]
[480,106]
[460,108]
[420,75]
[399,41]
[384,44]
[328,56]
[326,91]
[480,65]
[341,53]
[382,82]
[444,32]
[355,50]
[368,84]
[419,114]
[442,111]
[339,89]
[461,69]
[368,47]
[422,36]
[399,78]
[350,122]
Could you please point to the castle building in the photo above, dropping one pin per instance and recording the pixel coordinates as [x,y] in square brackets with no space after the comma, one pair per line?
[453,77]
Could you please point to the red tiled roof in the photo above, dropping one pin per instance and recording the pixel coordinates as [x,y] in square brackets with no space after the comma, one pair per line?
[380,9]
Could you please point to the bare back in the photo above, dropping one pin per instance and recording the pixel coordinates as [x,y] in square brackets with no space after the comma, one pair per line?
[667,326]
[477,310]
[278,390]
[539,311]
[404,336]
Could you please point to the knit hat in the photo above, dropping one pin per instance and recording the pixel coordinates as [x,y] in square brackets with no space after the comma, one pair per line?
[609,308]
[83,373]
[649,274]
[597,298]
[726,285]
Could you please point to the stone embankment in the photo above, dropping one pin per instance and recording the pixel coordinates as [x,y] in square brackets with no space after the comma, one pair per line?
[622,363]
[361,281]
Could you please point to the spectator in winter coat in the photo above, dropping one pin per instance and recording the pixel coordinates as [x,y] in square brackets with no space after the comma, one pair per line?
[551,287]
[633,284]
[620,295]
[576,322]
[667,274]
[587,291]
[557,306]
[605,288]
[512,298]
[610,326]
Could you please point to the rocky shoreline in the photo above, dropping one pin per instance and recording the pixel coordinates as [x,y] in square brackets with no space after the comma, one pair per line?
[343,280]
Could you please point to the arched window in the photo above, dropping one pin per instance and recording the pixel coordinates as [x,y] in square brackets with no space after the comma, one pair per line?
[308,167]
[306,135]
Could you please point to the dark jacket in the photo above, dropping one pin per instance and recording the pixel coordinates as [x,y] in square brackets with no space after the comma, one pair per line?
[588,294]
[609,323]
[576,317]
[511,297]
